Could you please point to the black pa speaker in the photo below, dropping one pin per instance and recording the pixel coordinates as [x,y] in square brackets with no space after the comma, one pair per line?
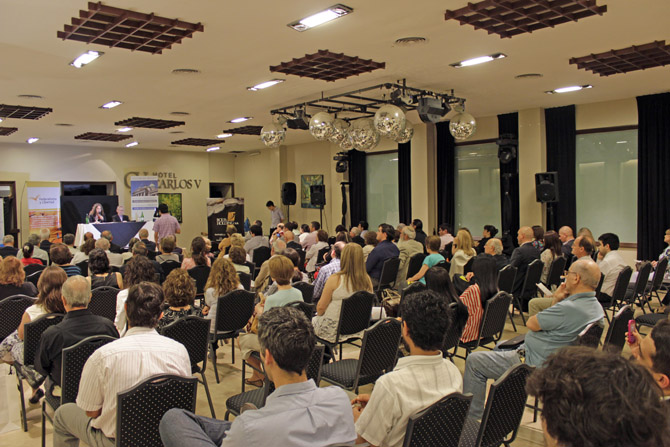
[288,193]
[546,187]
[317,195]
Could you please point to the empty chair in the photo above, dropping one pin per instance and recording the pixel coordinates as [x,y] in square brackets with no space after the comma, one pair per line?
[32,268]
[200,273]
[261,254]
[388,275]
[529,288]
[619,291]
[616,333]
[34,277]
[650,320]
[639,293]
[493,322]
[306,308]
[414,264]
[103,302]
[306,289]
[439,425]
[590,336]
[12,309]
[506,278]
[657,281]
[556,270]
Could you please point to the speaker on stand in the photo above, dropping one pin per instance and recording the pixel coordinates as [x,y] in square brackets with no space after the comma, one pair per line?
[317,197]
[546,191]
[288,197]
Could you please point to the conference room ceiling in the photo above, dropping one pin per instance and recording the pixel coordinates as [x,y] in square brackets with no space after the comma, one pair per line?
[241,40]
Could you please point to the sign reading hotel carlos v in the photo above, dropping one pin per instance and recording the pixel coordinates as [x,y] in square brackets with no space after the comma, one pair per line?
[166,180]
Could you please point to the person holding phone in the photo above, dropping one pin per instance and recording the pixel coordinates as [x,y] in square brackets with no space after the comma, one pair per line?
[653,352]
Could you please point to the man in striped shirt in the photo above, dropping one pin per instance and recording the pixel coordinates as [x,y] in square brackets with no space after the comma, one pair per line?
[61,256]
[117,367]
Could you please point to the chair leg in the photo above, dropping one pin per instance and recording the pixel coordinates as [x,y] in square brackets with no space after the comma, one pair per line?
[209,397]
[216,371]
[518,302]
[24,416]
[44,423]
[511,319]
[340,351]
[535,410]
[232,348]
[244,373]
[225,417]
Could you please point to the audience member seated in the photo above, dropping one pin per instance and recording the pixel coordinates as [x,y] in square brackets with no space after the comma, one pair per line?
[485,276]
[224,245]
[257,240]
[144,237]
[27,258]
[78,324]
[494,247]
[433,258]
[462,251]
[521,258]
[262,281]
[567,238]
[222,279]
[97,214]
[329,269]
[304,233]
[139,249]
[120,217]
[582,248]
[238,257]
[384,250]
[593,398]
[420,236]
[281,272]
[371,242]
[664,254]
[13,279]
[446,237]
[289,238]
[8,248]
[48,302]
[350,279]
[417,381]
[167,246]
[100,273]
[112,246]
[45,243]
[489,232]
[611,263]
[179,291]
[653,352]
[297,274]
[575,306]
[83,251]
[407,247]
[313,251]
[68,240]
[60,255]
[117,367]
[355,234]
[551,251]
[297,414]
[115,259]
[363,226]
[538,237]
[197,256]
[38,253]
[139,269]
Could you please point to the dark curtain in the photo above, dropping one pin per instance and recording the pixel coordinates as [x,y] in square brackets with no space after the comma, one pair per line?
[653,190]
[446,154]
[405,182]
[508,124]
[561,157]
[357,191]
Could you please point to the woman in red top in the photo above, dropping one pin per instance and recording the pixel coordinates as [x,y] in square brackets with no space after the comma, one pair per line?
[475,296]
[28,255]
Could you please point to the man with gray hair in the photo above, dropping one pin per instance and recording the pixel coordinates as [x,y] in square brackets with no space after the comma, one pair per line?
[262,280]
[68,240]
[144,237]
[112,246]
[115,259]
[8,248]
[37,251]
[494,247]
[78,324]
[45,243]
[408,247]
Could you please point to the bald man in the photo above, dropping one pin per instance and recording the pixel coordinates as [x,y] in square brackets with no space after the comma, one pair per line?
[567,237]
[574,307]
[521,259]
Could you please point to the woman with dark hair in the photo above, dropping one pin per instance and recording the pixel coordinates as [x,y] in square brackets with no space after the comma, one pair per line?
[27,258]
[84,250]
[138,269]
[97,214]
[371,242]
[100,273]
[179,291]
[475,296]
[12,279]
[552,251]
[438,280]
[489,232]
[198,254]
[238,256]
[538,234]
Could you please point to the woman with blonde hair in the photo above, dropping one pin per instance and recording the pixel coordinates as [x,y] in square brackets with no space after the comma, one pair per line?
[13,279]
[462,250]
[351,278]
[224,245]
[222,279]
[179,291]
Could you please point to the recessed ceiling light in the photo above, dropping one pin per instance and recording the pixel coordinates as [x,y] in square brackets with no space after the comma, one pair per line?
[31,96]
[224,135]
[212,149]
[266,84]
[86,58]
[177,131]
[111,104]
[134,143]
[621,142]
[478,60]
[32,140]
[185,71]
[180,113]
[241,119]
[572,88]
[63,124]
[410,41]
[528,76]
[332,13]
[124,129]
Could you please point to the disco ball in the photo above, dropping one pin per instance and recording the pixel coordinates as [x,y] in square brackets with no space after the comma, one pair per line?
[321,126]
[273,135]
[390,119]
[363,134]
[345,144]
[406,135]
[339,133]
[462,126]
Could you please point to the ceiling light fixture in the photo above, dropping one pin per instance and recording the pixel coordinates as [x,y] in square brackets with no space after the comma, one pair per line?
[32,140]
[266,84]
[224,135]
[111,104]
[134,143]
[86,58]
[572,88]
[241,119]
[478,60]
[124,129]
[1,120]
[212,149]
[332,13]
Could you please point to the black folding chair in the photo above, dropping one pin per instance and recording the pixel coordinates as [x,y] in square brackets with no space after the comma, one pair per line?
[103,302]
[556,270]
[354,317]
[34,277]
[321,255]
[12,309]
[388,275]
[439,425]
[83,267]
[657,282]
[168,266]
[72,364]
[32,268]
[616,333]
[492,325]
[306,289]
[650,320]
[306,308]
[261,254]
[245,280]
[453,335]
[529,289]
[639,295]
[141,408]
[619,291]
[378,355]
[233,311]
[506,278]
[591,335]
[414,265]
[200,273]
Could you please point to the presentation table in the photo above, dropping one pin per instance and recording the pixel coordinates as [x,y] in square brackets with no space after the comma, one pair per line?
[122,232]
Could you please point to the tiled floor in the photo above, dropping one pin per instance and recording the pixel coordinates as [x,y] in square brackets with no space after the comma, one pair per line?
[529,435]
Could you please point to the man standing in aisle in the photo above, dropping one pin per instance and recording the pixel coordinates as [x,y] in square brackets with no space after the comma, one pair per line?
[276,216]
[166,225]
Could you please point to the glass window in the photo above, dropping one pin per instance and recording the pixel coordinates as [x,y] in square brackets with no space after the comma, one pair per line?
[477,187]
[606,183]
[381,172]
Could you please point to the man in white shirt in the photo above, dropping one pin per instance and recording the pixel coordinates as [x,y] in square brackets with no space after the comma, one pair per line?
[610,262]
[445,237]
[418,380]
[117,367]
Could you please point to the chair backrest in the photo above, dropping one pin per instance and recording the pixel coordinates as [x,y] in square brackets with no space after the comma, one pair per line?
[506,278]
[454,332]
[600,285]
[233,310]
[31,335]
[495,315]
[556,269]
[661,267]
[192,332]
[168,266]
[533,276]
[261,254]
[389,273]
[621,285]
[103,302]
[379,349]
[73,361]
[34,277]
[306,289]
[414,265]
[200,273]
[32,268]
[245,280]
[616,333]
[504,407]
[355,314]
[83,266]
[252,268]
[313,369]
[141,408]
[590,336]
[306,308]
[440,424]
[12,309]
[321,254]
[642,279]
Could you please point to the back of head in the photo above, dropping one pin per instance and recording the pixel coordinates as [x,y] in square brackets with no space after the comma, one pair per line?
[198,250]
[11,272]
[138,269]
[304,228]
[8,239]
[316,225]
[77,291]
[49,288]
[486,276]
[289,336]
[584,231]
[143,305]
[293,256]
[231,229]
[496,244]
[409,232]
[552,243]
[107,235]
[363,224]
[223,277]
[437,280]
[288,235]
[465,242]
[168,244]
[433,243]
[140,249]
[179,288]
[370,238]
[588,272]
[238,255]
[527,232]
[418,224]
[538,232]
[256,230]
[445,227]
[566,231]
[586,243]
[343,236]
[269,203]
[163,208]
[352,267]
[143,233]
[338,247]
[593,398]
[279,246]
[102,244]
[98,262]
[68,239]
[34,239]
[45,233]
[322,236]
[340,228]
[660,334]
[281,269]
[610,239]
[388,230]
[60,254]
[427,317]
[28,249]
[355,231]
[87,246]
[237,240]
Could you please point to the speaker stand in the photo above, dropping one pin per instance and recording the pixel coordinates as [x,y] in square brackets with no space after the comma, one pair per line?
[321,216]
[550,217]
[288,213]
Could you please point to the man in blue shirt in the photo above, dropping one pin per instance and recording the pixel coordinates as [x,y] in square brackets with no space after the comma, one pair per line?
[575,306]
[383,251]
[297,414]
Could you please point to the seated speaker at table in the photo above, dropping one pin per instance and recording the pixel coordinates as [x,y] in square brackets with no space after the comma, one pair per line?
[119,216]
[97,214]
